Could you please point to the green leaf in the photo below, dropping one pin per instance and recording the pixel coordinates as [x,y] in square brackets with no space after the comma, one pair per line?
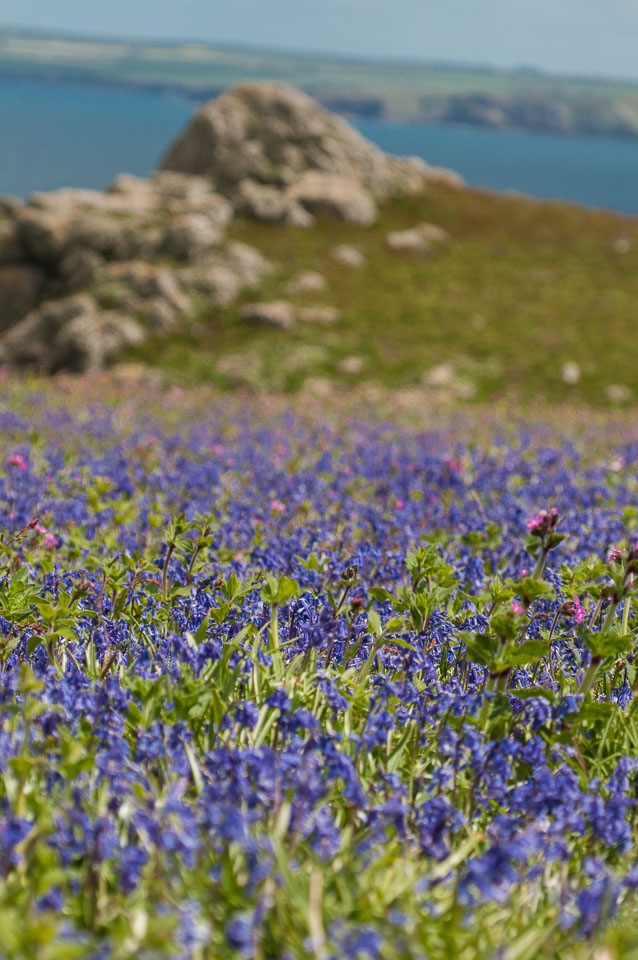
[531,693]
[528,652]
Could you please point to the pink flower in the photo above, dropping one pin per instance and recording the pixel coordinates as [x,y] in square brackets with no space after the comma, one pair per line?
[543,522]
[579,616]
[50,541]
[277,506]
[517,607]
[400,504]
[17,460]
[455,464]
[40,528]
[615,555]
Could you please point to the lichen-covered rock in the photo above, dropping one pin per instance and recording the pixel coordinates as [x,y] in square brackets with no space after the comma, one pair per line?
[21,286]
[69,334]
[11,249]
[343,198]
[191,236]
[272,134]
[247,262]
[44,234]
[349,256]
[417,239]
[306,281]
[149,281]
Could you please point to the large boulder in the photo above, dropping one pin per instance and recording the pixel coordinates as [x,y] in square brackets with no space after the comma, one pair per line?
[272,135]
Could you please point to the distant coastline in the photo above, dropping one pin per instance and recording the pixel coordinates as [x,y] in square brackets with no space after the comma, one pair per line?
[428,93]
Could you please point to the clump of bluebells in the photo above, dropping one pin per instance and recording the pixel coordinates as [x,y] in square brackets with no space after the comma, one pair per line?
[277,690]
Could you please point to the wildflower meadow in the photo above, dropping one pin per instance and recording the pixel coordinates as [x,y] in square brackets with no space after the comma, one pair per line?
[277,687]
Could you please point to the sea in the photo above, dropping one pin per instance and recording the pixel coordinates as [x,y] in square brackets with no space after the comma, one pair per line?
[56,134]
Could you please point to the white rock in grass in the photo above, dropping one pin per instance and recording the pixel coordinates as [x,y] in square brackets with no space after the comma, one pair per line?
[570,373]
[618,393]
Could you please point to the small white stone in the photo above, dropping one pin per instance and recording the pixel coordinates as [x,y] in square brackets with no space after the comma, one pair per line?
[618,393]
[570,372]
[351,365]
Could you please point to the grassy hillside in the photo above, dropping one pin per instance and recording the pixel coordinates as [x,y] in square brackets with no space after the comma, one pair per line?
[521,289]
[381,88]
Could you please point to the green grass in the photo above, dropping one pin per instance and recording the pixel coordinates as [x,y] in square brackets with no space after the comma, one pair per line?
[522,288]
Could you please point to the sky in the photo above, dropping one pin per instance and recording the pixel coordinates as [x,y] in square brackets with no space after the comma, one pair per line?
[570,36]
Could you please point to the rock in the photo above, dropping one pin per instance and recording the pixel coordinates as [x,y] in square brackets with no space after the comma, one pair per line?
[261,202]
[134,194]
[69,334]
[77,269]
[10,206]
[273,134]
[11,249]
[218,283]
[21,286]
[335,196]
[325,316]
[440,376]
[618,393]
[44,235]
[191,236]
[278,313]
[247,262]
[419,239]
[111,295]
[570,372]
[149,281]
[98,232]
[159,316]
[223,275]
[351,365]
[90,340]
[349,256]
[306,281]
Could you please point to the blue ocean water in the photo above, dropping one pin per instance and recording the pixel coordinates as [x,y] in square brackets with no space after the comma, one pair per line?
[62,134]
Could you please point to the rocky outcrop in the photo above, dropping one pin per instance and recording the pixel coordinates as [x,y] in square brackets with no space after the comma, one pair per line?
[86,273]
[69,334]
[276,153]
[143,249]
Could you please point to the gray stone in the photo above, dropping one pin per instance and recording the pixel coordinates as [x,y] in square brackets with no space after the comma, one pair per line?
[335,196]
[44,235]
[69,334]
[21,286]
[191,236]
[273,134]
[306,281]
[90,340]
[149,281]
[77,269]
[262,202]
[215,282]
[11,249]
[349,256]
[159,316]
[247,262]
[278,313]
[419,239]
